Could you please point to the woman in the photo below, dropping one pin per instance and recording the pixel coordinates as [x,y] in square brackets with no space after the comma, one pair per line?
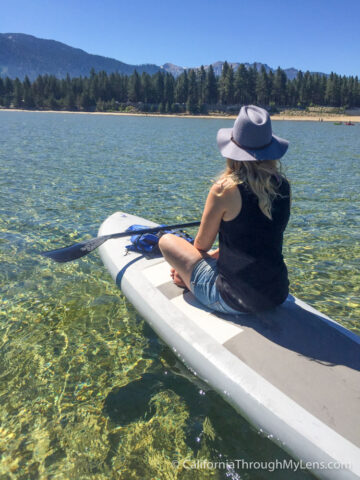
[249,206]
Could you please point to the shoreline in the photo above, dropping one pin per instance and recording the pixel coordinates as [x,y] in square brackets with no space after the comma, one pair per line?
[276,117]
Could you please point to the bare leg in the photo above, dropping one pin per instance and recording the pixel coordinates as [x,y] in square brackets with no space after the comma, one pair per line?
[181,255]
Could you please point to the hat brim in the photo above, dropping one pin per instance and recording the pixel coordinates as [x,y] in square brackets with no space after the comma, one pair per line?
[228,149]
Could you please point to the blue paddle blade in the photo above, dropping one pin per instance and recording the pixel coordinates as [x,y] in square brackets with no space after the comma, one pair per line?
[67,254]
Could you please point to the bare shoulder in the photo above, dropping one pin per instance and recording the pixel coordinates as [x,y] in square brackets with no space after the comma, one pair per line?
[224,188]
[225,194]
[231,201]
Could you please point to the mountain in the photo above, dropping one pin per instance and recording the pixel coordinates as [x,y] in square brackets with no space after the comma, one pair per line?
[217,66]
[22,55]
[175,70]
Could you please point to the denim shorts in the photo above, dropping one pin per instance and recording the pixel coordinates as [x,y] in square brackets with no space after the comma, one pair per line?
[203,286]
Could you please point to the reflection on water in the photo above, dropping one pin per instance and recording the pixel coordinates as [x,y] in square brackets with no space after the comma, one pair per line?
[87,390]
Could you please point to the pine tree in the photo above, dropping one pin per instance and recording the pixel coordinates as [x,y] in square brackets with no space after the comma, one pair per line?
[158,83]
[252,76]
[291,93]
[52,87]
[306,89]
[113,105]
[29,101]
[101,88]
[279,87]
[147,88]
[192,100]
[18,94]
[85,101]
[298,86]
[2,91]
[69,102]
[8,92]
[134,88]
[94,90]
[120,88]
[100,107]
[169,89]
[223,84]
[51,103]
[323,89]
[201,80]
[356,93]
[211,89]
[229,86]
[270,84]
[344,92]
[263,87]
[241,94]
[332,95]
[351,91]
[182,88]
[318,89]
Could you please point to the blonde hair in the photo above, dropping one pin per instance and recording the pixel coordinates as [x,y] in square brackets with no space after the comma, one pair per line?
[258,176]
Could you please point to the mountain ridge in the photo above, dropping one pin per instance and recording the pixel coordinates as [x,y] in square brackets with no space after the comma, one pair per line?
[26,55]
[22,54]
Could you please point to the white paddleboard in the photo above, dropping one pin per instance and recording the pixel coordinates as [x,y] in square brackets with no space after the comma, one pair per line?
[294,372]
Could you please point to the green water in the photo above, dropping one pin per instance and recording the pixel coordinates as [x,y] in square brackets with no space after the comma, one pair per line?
[69,339]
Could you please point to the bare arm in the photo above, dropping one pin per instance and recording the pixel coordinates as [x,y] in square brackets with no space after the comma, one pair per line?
[214,210]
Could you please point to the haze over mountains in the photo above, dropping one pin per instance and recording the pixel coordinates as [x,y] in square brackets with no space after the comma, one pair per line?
[25,55]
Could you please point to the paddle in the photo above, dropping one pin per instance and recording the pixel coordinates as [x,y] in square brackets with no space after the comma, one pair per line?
[78,250]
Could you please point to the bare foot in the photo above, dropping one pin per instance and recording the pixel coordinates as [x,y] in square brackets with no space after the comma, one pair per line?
[176,278]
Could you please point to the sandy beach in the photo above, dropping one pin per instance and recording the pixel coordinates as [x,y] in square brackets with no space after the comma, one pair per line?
[302,117]
[325,118]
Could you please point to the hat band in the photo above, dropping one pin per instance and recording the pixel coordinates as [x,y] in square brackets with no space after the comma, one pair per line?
[249,148]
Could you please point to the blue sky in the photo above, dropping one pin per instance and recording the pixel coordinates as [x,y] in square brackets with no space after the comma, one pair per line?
[315,35]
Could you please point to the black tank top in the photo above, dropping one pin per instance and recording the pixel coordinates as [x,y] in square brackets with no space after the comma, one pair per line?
[252,273]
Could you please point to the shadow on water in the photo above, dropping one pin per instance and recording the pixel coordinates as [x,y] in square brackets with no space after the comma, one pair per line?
[133,402]
[211,421]
[127,404]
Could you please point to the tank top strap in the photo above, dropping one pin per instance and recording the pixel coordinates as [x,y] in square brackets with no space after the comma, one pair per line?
[248,198]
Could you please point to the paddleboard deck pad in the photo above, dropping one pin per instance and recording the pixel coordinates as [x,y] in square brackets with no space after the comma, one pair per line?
[293,372]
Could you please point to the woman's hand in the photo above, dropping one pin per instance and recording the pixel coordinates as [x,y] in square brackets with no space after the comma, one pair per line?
[214,253]
[176,278]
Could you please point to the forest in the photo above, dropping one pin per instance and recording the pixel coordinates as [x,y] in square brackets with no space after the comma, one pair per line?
[195,91]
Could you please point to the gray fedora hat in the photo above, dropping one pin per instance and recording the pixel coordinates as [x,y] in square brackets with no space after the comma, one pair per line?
[251,137]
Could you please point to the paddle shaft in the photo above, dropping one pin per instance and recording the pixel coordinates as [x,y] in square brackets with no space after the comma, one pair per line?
[152,230]
[78,250]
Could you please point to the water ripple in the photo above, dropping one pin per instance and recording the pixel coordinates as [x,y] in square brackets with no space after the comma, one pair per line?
[69,340]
